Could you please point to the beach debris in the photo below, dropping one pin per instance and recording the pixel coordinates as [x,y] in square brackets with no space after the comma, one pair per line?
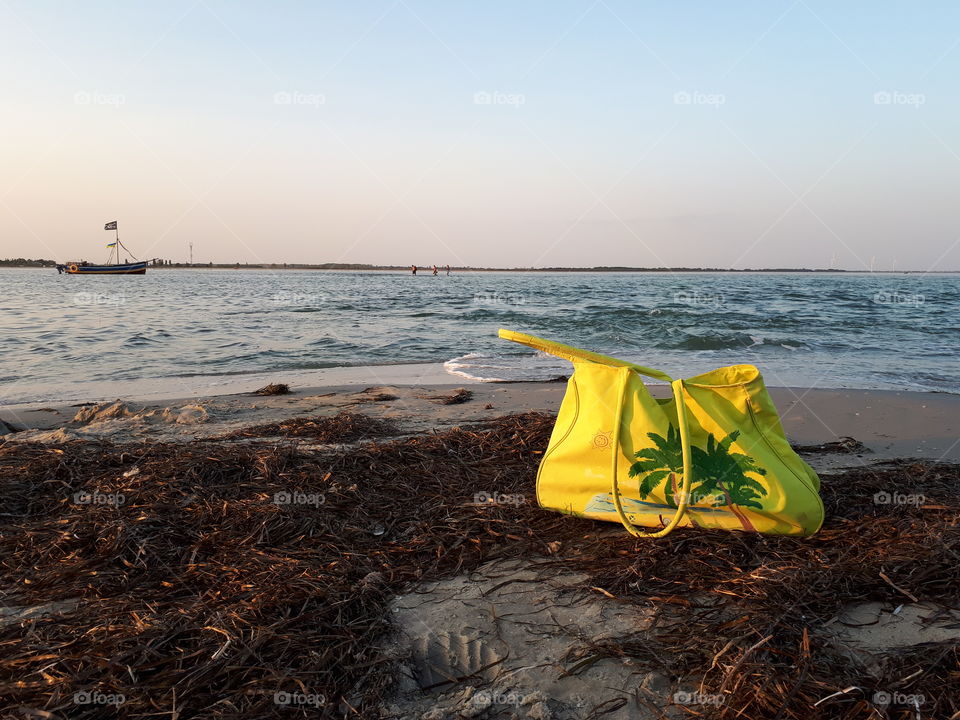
[344,427]
[200,553]
[461,395]
[273,389]
[376,394]
[841,445]
[371,581]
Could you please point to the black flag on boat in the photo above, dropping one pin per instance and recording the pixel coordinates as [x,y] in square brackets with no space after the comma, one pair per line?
[112,225]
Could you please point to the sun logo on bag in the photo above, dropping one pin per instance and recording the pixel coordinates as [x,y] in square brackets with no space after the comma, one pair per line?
[602,440]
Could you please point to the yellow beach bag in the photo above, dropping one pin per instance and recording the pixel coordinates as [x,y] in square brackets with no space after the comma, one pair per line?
[713,456]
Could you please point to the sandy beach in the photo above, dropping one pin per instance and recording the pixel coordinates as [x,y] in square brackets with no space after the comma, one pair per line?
[384,588]
[890,424]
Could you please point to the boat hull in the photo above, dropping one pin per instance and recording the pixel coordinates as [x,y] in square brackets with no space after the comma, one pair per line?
[137,268]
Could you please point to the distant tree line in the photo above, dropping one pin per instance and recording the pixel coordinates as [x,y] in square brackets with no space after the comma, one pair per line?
[26,262]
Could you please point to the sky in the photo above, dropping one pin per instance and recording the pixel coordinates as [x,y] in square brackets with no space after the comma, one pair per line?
[786,133]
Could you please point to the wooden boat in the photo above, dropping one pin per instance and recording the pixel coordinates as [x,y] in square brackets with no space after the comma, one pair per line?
[112,266]
[85,268]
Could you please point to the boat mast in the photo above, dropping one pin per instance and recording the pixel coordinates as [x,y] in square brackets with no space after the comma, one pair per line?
[121,245]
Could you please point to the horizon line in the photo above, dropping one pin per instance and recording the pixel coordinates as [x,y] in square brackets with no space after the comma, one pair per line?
[153,263]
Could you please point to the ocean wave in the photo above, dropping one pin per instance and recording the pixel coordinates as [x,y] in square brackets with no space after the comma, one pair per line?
[485,367]
[731,341]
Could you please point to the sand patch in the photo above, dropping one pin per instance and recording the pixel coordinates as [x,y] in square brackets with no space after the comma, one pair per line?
[513,640]
[186,415]
[874,626]
[120,422]
[13,614]
[60,435]
[102,411]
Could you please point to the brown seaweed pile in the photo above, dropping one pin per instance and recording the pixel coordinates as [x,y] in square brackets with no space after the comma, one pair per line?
[209,579]
[462,395]
[273,389]
[344,427]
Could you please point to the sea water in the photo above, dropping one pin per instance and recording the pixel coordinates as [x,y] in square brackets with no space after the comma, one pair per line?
[830,330]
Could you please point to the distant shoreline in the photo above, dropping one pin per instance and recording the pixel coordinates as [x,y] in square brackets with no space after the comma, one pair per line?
[425,269]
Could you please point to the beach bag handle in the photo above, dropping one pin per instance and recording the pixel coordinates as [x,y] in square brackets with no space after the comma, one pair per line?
[677,386]
[624,369]
[571,353]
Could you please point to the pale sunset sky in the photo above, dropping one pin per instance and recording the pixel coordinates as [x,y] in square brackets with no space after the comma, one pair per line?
[602,132]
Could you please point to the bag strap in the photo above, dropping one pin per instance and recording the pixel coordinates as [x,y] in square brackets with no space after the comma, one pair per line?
[573,354]
[687,461]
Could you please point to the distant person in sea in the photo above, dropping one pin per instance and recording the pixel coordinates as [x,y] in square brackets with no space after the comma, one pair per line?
[413,269]
[448,269]
[435,270]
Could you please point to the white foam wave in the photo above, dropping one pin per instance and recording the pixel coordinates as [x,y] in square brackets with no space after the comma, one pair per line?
[483,367]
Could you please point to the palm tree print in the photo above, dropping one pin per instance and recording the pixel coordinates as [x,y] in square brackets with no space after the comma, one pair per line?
[664,461]
[723,473]
[718,473]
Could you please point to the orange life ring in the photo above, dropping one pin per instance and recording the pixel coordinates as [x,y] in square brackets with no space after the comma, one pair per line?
[73,267]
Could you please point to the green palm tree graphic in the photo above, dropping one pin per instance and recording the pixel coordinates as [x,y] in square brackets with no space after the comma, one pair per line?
[658,463]
[721,472]
[718,473]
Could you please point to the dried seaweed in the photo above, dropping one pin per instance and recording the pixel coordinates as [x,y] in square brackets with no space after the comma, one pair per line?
[341,428]
[273,389]
[222,573]
[461,395]
[842,445]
